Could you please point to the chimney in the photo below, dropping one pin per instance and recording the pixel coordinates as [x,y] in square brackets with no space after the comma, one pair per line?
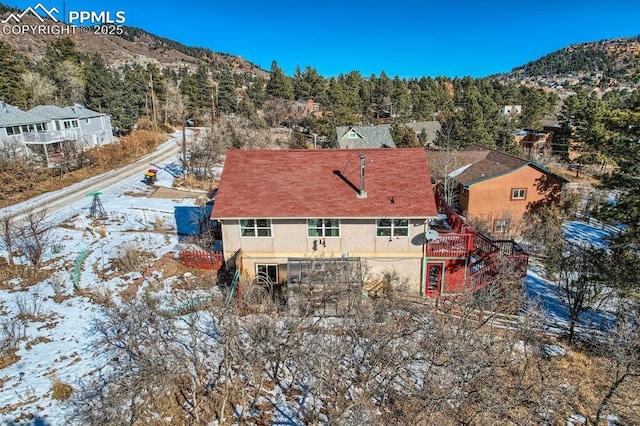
[362,193]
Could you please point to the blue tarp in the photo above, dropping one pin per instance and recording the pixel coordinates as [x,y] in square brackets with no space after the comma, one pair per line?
[193,220]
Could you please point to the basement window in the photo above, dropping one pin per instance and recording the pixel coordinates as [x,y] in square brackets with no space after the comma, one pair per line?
[392,227]
[255,227]
[323,227]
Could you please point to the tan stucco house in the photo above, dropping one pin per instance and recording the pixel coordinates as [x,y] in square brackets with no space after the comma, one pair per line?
[279,206]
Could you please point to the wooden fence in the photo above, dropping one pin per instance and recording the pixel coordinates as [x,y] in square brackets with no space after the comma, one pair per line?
[202,259]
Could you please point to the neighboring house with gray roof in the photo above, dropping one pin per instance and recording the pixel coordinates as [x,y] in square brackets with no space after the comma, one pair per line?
[43,130]
[430,128]
[348,137]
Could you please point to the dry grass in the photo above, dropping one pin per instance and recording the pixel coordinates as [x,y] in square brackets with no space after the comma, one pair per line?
[192,182]
[40,339]
[59,390]
[103,297]
[588,378]
[158,224]
[9,357]
[131,259]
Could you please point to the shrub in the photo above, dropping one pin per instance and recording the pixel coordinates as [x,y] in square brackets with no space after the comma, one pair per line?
[60,390]
[130,259]
[12,332]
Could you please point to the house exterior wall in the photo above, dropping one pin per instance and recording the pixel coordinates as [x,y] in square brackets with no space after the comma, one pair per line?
[357,239]
[96,130]
[492,199]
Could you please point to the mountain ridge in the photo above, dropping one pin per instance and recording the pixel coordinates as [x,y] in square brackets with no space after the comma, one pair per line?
[600,63]
[134,45]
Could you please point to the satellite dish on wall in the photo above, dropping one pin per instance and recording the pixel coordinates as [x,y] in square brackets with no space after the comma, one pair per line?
[431,235]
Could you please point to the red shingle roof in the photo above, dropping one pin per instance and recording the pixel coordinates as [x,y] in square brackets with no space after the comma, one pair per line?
[304,184]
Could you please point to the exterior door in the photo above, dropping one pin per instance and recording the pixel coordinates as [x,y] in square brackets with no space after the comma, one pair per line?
[435,274]
[267,274]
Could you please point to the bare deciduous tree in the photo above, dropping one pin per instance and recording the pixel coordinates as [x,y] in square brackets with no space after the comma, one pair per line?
[577,280]
[277,111]
[40,89]
[8,236]
[392,362]
[11,148]
[33,236]
[622,352]
[205,152]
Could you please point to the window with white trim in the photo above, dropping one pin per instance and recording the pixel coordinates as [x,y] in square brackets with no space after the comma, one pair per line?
[255,227]
[323,227]
[392,227]
[501,226]
[13,130]
[518,194]
[70,124]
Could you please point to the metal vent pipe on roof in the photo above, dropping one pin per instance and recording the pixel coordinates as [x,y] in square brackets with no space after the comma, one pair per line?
[362,193]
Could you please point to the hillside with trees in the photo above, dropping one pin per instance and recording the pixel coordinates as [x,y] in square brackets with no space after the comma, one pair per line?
[601,64]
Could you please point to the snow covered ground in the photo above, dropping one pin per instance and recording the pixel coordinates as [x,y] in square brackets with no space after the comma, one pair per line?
[57,330]
[541,290]
[56,343]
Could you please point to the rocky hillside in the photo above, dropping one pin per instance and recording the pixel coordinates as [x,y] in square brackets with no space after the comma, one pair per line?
[603,64]
[132,46]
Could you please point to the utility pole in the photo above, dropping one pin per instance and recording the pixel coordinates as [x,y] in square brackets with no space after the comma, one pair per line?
[213,111]
[214,103]
[153,104]
[184,147]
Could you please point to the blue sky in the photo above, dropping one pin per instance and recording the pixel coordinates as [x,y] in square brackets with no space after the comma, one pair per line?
[408,38]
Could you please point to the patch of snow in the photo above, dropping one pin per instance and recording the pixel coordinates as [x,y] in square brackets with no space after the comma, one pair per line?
[554,350]
[459,171]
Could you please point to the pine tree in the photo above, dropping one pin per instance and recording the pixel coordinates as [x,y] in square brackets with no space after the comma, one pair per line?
[227,98]
[301,87]
[256,91]
[135,85]
[625,247]
[401,99]
[279,85]
[469,126]
[11,85]
[101,87]
[383,91]
[198,90]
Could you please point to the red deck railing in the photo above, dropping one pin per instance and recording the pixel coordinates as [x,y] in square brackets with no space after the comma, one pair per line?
[454,219]
[450,245]
[482,254]
[482,272]
[201,259]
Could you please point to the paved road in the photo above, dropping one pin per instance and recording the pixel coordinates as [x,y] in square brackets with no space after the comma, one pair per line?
[58,203]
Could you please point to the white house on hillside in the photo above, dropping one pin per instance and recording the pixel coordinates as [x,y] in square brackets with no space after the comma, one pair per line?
[43,130]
